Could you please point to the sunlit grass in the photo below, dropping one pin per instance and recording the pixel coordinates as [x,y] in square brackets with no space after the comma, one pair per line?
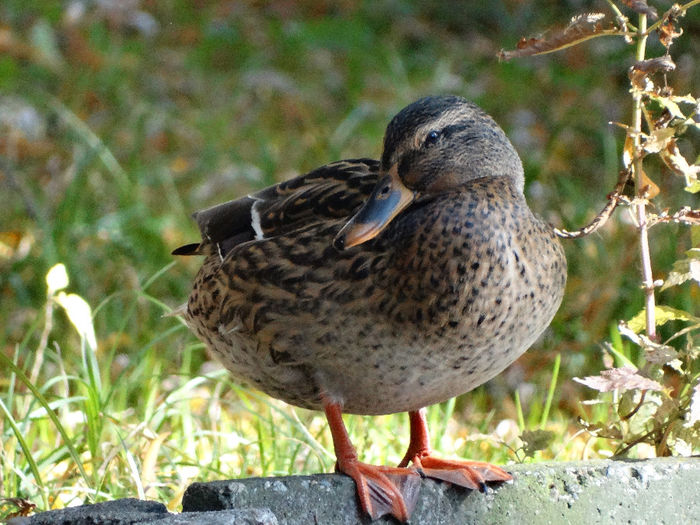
[104,426]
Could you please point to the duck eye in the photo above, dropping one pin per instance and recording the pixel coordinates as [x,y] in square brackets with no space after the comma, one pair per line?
[432,137]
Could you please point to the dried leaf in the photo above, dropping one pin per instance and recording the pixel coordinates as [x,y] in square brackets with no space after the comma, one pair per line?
[581,28]
[648,188]
[640,80]
[672,157]
[667,32]
[663,355]
[653,65]
[534,440]
[24,507]
[658,140]
[640,71]
[611,431]
[670,104]
[655,353]
[625,378]
[658,354]
[641,7]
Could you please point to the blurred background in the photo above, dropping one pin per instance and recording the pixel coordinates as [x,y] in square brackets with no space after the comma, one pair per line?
[120,118]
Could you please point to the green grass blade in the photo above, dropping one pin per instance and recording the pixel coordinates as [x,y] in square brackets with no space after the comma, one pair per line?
[550,392]
[156,275]
[93,141]
[27,454]
[43,402]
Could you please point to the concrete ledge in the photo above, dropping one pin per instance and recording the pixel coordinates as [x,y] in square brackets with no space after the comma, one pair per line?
[659,491]
[654,492]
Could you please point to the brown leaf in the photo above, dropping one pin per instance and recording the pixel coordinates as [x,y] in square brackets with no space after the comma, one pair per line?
[581,28]
[667,34]
[667,31]
[24,507]
[641,7]
[625,378]
[639,73]
[652,65]
[672,157]
[648,187]
[658,140]
[656,353]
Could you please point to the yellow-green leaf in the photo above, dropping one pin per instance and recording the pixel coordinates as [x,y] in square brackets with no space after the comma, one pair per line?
[663,315]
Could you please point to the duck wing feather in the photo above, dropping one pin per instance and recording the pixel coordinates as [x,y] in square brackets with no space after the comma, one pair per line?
[331,192]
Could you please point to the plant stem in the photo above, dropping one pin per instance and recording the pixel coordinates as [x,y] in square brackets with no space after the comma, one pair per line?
[641,201]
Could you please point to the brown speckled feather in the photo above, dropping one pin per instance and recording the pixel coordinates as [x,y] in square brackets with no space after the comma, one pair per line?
[449,293]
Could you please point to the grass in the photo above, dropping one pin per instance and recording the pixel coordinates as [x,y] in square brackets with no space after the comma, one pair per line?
[112,135]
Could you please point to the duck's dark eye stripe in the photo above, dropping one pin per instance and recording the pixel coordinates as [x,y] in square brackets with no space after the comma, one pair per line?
[455,128]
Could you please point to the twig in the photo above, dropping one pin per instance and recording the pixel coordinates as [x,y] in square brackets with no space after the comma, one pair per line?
[640,439]
[685,215]
[614,199]
[635,409]
[675,10]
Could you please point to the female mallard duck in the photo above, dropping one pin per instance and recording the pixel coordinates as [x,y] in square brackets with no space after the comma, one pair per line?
[380,287]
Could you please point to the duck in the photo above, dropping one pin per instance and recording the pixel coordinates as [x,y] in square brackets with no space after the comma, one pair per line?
[383,286]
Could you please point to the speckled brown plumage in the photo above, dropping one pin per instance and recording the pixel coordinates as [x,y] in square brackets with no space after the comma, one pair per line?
[453,287]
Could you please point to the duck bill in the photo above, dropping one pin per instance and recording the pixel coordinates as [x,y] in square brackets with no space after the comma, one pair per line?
[389,197]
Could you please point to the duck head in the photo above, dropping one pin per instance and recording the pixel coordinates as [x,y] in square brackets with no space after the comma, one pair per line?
[435,145]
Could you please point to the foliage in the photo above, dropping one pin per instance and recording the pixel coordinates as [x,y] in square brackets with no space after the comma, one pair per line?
[656,400]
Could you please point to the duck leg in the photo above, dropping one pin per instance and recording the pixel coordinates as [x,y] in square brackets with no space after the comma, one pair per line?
[382,490]
[469,474]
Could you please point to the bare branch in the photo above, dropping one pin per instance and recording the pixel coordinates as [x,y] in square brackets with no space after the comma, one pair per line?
[614,199]
[581,28]
[685,215]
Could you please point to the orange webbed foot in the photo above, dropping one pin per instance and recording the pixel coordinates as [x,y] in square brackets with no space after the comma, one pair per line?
[381,490]
[384,490]
[468,474]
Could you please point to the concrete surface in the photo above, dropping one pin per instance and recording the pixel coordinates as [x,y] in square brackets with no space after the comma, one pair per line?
[658,491]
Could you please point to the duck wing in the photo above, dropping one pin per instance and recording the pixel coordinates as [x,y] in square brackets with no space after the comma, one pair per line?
[328,193]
